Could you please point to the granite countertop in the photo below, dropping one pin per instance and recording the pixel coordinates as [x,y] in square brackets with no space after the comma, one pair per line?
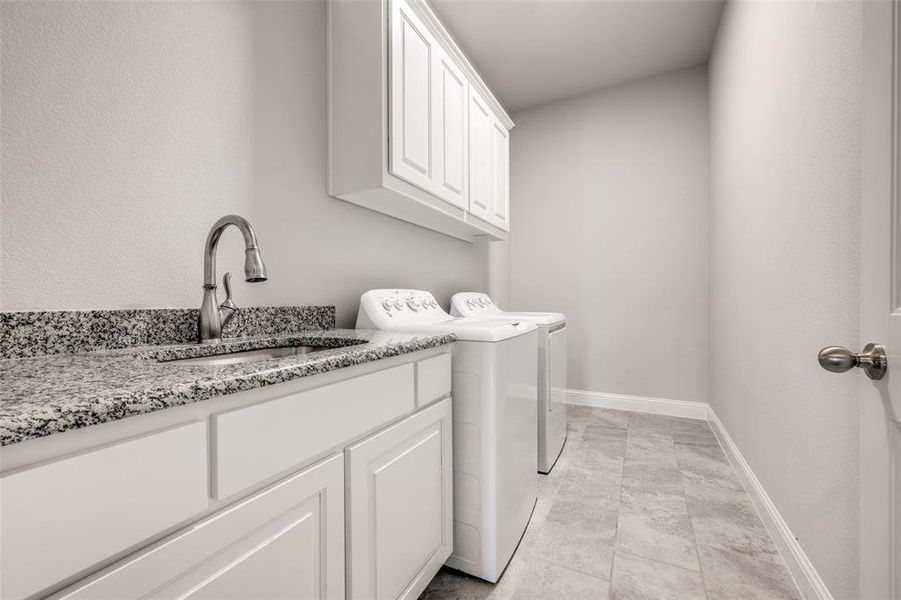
[43,395]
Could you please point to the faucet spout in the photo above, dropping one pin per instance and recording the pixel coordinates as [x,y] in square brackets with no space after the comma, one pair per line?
[212,314]
[254,268]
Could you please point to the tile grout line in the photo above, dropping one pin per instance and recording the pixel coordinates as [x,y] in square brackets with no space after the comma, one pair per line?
[635,556]
[691,522]
[619,505]
[550,507]
[648,558]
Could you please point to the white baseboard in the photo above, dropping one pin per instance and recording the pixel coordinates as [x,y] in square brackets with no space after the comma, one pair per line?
[802,570]
[641,404]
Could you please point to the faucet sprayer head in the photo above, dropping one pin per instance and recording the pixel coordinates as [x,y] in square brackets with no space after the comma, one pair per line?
[254,268]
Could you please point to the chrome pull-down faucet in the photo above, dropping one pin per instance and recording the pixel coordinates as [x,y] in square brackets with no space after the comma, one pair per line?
[214,316]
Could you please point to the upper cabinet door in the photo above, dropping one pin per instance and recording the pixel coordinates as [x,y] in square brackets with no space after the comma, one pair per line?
[500,189]
[480,158]
[450,93]
[411,69]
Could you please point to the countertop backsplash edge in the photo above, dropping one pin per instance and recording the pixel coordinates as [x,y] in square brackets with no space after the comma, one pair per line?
[29,334]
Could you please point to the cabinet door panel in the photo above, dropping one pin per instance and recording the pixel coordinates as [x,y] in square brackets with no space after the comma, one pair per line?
[57,519]
[281,560]
[400,511]
[500,190]
[412,54]
[255,442]
[286,541]
[480,163]
[451,97]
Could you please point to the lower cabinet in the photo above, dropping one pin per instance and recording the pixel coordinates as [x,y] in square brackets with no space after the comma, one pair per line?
[399,510]
[372,520]
[286,541]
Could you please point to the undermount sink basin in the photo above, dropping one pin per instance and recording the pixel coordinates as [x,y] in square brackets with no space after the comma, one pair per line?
[234,358]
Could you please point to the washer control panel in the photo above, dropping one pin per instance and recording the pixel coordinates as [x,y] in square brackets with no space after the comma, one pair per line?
[473,304]
[391,308]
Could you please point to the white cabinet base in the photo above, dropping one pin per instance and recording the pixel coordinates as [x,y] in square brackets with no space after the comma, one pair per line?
[137,516]
[399,514]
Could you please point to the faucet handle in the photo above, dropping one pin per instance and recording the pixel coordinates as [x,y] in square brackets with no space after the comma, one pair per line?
[227,284]
[228,308]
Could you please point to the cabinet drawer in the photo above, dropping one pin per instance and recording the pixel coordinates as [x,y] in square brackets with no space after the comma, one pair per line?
[399,508]
[62,517]
[254,443]
[286,541]
[433,379]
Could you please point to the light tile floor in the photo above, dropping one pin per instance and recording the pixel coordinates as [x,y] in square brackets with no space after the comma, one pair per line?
[638,506]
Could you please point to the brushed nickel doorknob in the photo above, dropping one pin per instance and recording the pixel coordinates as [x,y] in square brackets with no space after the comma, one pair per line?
[839,359]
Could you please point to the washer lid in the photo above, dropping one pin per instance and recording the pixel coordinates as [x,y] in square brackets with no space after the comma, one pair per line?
[475,329]
[477,304]
[539,318]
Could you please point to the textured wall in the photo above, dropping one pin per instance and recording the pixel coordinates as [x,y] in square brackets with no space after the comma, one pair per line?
[784,267]
[129,128]
[610,226]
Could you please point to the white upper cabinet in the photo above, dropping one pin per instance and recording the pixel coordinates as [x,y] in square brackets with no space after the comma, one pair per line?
[500,174]
[412,93]
[481,159]
[489,185]
[403,136]
[451,136]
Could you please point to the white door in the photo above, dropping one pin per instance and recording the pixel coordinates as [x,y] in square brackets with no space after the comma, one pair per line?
[411,63]
[399,511]
[451,96]
[880,408]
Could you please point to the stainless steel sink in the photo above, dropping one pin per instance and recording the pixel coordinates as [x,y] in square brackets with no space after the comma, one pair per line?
[249,355]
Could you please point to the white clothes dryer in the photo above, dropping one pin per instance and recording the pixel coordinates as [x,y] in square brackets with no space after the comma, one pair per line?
[552,426]
[495,417]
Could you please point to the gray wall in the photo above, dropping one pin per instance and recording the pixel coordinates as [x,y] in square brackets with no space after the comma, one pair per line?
[129,128]
[609,222]
[784,222]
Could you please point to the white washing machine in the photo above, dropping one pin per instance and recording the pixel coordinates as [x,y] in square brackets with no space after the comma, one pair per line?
[495,402]
[551,368]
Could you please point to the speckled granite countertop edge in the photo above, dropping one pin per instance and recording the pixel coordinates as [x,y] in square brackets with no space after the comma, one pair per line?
[47,395]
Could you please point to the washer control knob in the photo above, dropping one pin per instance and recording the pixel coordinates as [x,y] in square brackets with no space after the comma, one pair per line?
[387,305]
[399,304]
[413,303]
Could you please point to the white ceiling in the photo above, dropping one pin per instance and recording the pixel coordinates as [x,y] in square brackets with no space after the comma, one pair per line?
[534,51]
